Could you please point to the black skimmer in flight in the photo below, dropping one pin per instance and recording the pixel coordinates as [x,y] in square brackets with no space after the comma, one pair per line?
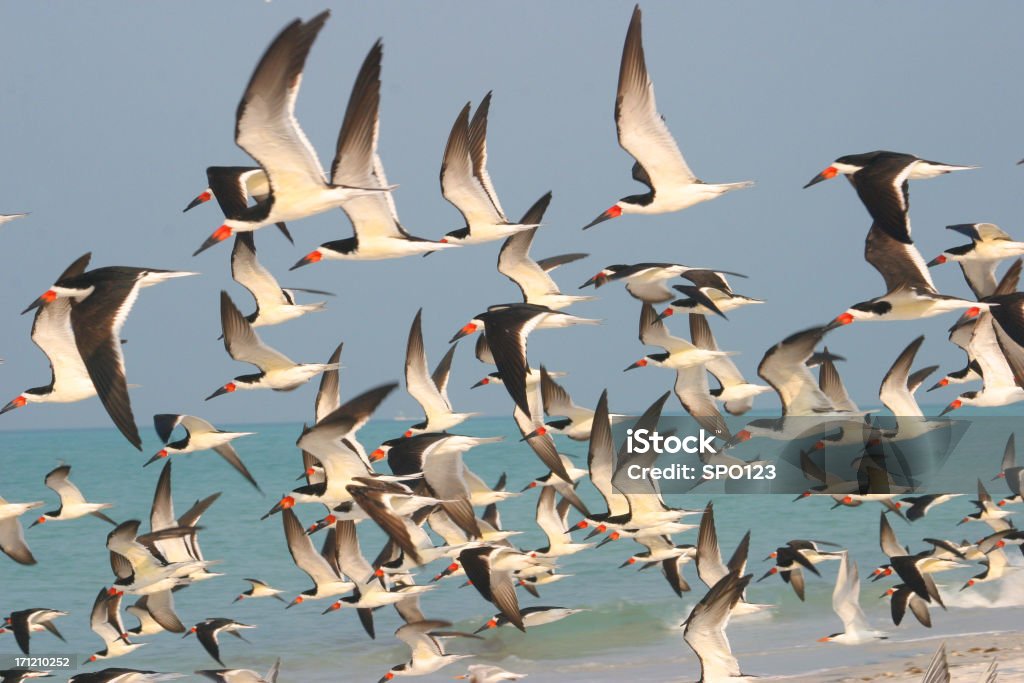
[429,390]
[663,551]
[241,675]
[960,334]
[707,299]
[23,622]
[274,305]
[995,562]
[919,506]
[978,260]
[533,278]
[370,592]
[507,327]
[643,134]
[988,512]
[200,435]
[490,569]
[532,617]
[428,653]
[232,186]
[784,368]
[12,536]
[259,589]
[679,353]
[557,401]
[105,621]
[267,130]
[914,570]
[78,327]
[694,393]
[323,567]
[553,521]
[277,371]
[139,565]
[72,503]
[333,466]
[646,281]
[466,184]
[1000,362]
[647,514]
[438,457]
[208,631]
[182,545]
[710,567]
[880,178]
[378,233]
[899,384]
[705,629]
[734,392]
[846,605]
[902,598]
[907,302]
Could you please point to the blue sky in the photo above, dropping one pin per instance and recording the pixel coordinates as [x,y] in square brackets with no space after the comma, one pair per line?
[112,111]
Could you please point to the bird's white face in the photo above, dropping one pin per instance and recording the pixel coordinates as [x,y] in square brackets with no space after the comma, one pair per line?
[848,317]
[844,169]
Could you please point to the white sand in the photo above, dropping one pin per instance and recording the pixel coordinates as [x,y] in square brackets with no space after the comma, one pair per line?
[968,657]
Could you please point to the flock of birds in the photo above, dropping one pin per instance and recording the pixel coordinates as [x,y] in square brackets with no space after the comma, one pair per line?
[78,321]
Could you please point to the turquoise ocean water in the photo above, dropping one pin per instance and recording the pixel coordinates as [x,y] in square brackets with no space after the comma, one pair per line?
[631,628]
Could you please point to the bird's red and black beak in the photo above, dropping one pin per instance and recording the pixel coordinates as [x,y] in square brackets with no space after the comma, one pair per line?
[598,280]
[937,261]
[218,236]
[46,297]
[614,212]
[483,382]
[282,504]
[467,329]
[491,623]
[642,363]
[226,389]
[539,431]
[201,198]
[839,321]
[312,257]
[954,405]
[321,524]
[18,402]
[162,453]
[827,174]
